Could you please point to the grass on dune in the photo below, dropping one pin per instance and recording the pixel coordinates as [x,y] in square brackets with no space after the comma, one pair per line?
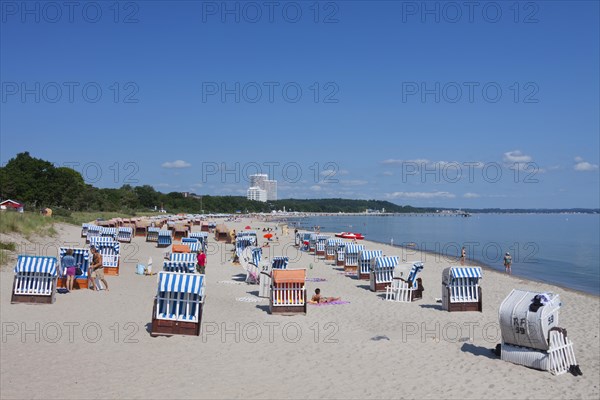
[26,224]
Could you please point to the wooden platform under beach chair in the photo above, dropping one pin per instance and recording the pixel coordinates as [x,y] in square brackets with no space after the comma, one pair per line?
[461,290]
[351,257]
[82,259]
[382,273]
[364,262]
[288,292]
[35,280]
[407,289]
[178,304]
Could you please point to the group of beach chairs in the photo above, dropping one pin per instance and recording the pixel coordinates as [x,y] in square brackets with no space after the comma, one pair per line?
[528,320]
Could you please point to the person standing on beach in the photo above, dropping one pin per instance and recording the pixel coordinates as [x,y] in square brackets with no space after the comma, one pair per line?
[201,262]
[507,262]
[97,269]
[463,256]
[68,265]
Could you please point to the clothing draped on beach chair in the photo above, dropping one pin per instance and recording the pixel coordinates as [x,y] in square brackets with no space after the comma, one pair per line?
[35,275]
[405,290]
[364,260]
[82,259]
[179,296]
[124,234]
[351,254]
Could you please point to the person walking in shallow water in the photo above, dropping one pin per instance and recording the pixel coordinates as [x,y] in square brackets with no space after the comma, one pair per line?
[507,262]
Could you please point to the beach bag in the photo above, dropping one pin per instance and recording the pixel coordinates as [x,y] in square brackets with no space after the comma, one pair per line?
[78,271]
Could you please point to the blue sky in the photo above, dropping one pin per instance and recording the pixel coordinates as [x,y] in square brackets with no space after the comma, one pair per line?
[429,104]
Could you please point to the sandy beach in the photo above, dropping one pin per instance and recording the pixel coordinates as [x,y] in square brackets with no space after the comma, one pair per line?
[97,345]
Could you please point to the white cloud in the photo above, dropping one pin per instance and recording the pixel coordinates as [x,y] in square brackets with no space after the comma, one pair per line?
[315,188]
[331,172]
[353,182]
[166,185]
[582,165]
[176,164]
[470,195]
[196,185]
[516,156]
[420,195]
[387,173]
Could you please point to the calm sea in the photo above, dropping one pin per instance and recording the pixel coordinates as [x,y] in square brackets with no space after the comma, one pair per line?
[562,249]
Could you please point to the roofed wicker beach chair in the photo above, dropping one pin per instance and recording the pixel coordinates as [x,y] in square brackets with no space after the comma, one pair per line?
[406,290]
[92,231]
[531,335]
[352,251]
[164,238]
[82,260]
[152,234]
[124,234]
[364,262]
[320,245]
[382,273]
[340,254]
[461,290]
[288,291]
[110,250]
[178,304]
[331,246]
[35,280]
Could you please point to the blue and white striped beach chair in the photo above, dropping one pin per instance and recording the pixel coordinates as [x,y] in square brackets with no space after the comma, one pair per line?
[320,243]
[192,243]
[110,250]
[242,242]
[109,232]
[351,257]
[124,234]
[84,229]
[184,267]
[406,290]
[331,247]
[202,238]
[461,290]
[364,262]
[82,259]
[340,254]
[35,279]
[92,231]
[152,234]
[382,272]
[164,238]
[279,263]
[178,304]
[312,243]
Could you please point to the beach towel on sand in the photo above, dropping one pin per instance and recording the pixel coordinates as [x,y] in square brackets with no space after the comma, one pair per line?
[331,303]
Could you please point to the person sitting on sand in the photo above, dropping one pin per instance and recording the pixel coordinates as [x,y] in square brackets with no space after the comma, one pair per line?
[318,299]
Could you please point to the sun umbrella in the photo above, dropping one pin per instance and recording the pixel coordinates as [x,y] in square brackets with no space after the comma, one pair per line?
[268,236]
[247,227]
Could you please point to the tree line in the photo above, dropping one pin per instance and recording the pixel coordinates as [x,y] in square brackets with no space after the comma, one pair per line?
[38,183]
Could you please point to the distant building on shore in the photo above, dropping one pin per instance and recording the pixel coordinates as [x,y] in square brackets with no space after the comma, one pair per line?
[261,188]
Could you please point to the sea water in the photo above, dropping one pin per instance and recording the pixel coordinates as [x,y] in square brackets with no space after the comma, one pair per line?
[561,249]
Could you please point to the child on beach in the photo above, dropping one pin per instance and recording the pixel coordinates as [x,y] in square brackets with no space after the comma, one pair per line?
[318,299]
